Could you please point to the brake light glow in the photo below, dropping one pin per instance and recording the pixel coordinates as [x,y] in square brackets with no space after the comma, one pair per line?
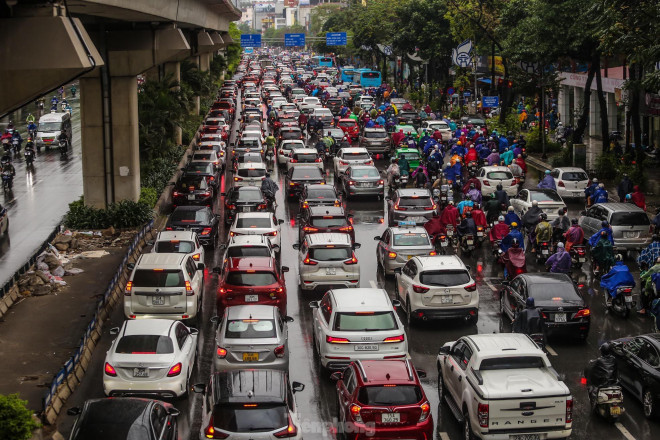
[333,340]
[569,411]
[355,412]
[189,290]
[346,228]
[426,411]
[206,231]
[129,287]
[221,352]
[310,229]
[196,257]
[110,370]
[420,289]
[471,287]
[289,431]
[307,261]
[352,260]
[271,234]
[279,351]
[582,313]
[391,255]
[392,339]
[482,414]
[209,432]
[175,370]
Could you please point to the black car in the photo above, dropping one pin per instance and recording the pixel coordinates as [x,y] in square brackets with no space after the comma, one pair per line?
[124,418]
[198,219]
[334,104]
[638,364]
[243,199]
[324,219]
[556,296]
[409,117]
[299,176]
[193,190]
[319,195]
[205,169]
[249,401]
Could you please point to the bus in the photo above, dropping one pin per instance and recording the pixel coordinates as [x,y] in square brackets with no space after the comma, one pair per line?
[347,74]
[325,62]
[367,78]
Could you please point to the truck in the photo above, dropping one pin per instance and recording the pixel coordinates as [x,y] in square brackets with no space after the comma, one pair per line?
[502,387]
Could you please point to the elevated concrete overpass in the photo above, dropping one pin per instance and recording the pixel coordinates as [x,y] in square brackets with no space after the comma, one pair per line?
[105,44]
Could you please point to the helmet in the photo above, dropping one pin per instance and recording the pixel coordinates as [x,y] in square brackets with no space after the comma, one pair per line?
[468,214]
[561,212]
[520,155]
[544,216]
[560,245]
[604,224]
[267,174]
[529,303]
[618,257]
[514,243]
[560,124]
[606,349]
[459,143]
[547,171]
[513,224]
[628,197]
[601,185]
[574,221]
[499,187]
[500,218]
[535,203]
[595,180]
[510,209]
[492,195]
[451,202]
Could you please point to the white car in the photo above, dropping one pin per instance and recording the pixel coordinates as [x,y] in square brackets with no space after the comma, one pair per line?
[311,101]
[364,100]
[208,156]
[492,176]
[250,174]
[150,357]
[285,149]
[441,126]
[548,200]
[179,242]
[437,286]
[348,157]
[327,259]
[570,181]
[305,156]
[257,223]
[248,246]
[339,323]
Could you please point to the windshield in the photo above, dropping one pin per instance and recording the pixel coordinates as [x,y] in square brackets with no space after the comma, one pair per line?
[328,221]
[629,219]
[559,291]
[158,278]
[444,278]
[253,222]
[253,418]
[246,195]
[542,196]
[411,239]
[144,344]
[371,75]
[174,247]
[330,253]
[390,395]
[410,155]
[190,216]
[49,126]
[511,363]
[252,278]
[415,201]
[365,321]
[364,173]
[200,167]
[248,251]
[375,134]
[347,124]
[574,176]
[499,175]
[250,157]
[250,328]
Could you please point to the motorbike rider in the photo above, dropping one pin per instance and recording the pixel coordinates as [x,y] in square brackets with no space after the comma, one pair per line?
[548,181]
[499,230]
[467,226]
[574,235]
[511,216]
[559,262]
[465,205]
[560,225]
[5,163]
[513,235]
[602,372]
[625,187]
[501,195]
[479,216]
[493,158]
[532,217]
[492,207]
[344,143]
[602,252]
[542,232]
[329,142]
[529,321]
[619,275]
[600,195]
[269,188]
[421,176]
[471,181]
[450,215]
[404,165]
[270,143]
[393,172]
[650,253]
[590,190]
[63,137]
[474,194]
[646,278]
[606,228]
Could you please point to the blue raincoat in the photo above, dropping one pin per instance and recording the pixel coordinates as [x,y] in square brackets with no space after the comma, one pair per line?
[618,276]
[508,240]
[593,241]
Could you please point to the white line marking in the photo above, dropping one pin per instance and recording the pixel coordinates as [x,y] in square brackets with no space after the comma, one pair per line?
[373,284]
[444,436]
[624,431]
[493,288]
[550,350]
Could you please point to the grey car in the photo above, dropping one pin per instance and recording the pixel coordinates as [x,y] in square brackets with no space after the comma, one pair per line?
[375,140]
[399,244]
[631,228]
[362,181]
[411,204]
[252,336]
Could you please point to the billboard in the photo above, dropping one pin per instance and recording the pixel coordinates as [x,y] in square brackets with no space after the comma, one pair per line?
[335,39]
[294,39]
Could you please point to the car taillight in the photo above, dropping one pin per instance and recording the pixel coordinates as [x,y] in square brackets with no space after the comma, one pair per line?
[237,179]
[486,183]
[350,182]
[271,234]
[420,289]
[582,313]
[206,231]
[209,431]
[310,229]
[426,411]
[175,370]
[318,160]
[343,162]
[561,183]
[176,194]
[392,339]
[351,260]
[355,412]
[569,410]
[196,257]
[129,287]
[580,251]
[206,194]
[482,415]
[333,340]
[381,182]
[519,270]
[294,161]
[189,290]
[369,162]
[471,287]
[307,261]
[289,431]
[346,228]
[391,255]
[231,206]
[279,351]
[168,228]
[514,182]
[221,352]
[110,370]
[262,206]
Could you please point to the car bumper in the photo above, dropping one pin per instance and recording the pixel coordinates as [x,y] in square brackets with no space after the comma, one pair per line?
[571,194]
[403,215]
[223,365]
[312,281]
[420,431]
[382,148]
[549,434]
[570,329]
[401,259]
[239,300]
[442,313]
[205,240]
[166,387]
[631,244]
[337,361]
[129,314]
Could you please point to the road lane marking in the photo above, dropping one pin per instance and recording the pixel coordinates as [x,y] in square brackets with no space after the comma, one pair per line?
[624,431]
[444,436]
[550,350]
[492,287]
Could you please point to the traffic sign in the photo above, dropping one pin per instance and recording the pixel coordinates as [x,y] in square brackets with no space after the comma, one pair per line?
[294,39]
[250,40]
[335,39]
[467,93]
[490,101]
[450,91]
[249,50]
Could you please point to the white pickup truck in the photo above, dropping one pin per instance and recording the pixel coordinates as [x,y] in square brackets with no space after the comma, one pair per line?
[502,387]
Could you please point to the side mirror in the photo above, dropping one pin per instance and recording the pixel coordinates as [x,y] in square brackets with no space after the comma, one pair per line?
[194,331]
[199,388]
[200,266]
[357,245]
[285,269]
[217,269]
[397,270]
[288,319]
[150,242]
[337,376]
[130,266]
[377,238]
[222,246]
[445,349]
[73,411]
[280,221]
[314,304]
[114,331]
[396,303]
[173,412]
[296,246]
[297,387]
[421,373]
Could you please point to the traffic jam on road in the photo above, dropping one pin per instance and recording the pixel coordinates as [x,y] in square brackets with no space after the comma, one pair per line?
[321,277]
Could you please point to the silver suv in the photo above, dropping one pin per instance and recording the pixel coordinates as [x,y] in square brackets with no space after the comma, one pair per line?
[327,259]
[375,140]
[631,227]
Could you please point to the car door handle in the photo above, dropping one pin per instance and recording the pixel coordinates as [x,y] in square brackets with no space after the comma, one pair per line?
[452,368]
[460,378]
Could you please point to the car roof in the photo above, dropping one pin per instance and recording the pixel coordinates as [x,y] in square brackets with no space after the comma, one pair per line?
[541,190]
[159,327]
[159,261]
[328,238]
[245,240]
[441,262]
[254,386]
[410,192]
[408,230]
[372,129]
[251,311]
[123,414]
[546,277]
[254,214]
[495,168]
[248,263]
[620,207]
[355,150]
[570,169]
[390,371]
[361,299]
[175,235]
[326,210]
[511,343]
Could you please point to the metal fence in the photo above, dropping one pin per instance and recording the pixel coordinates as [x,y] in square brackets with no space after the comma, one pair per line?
[84,350]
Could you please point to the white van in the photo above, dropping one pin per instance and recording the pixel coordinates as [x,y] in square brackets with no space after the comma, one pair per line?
[50,127]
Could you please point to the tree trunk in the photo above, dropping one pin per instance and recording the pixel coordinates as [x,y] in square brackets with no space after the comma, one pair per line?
[582,122]
[636,76]
[604,124]
[507,96]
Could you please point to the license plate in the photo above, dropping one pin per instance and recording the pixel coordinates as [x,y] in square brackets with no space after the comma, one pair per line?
[157,300]
[446,299]
[250,357]
[560,317]
[245,209]
[331,271]
[525,437]
[362,347]
[191,196]
[443,198]
[544,251]
[480,234]
[577,193]
[140,372]
[629,234]
[628,299]
[582,260]
[368,184]
[251,298]
[615,410]
[390,418]
[470,242]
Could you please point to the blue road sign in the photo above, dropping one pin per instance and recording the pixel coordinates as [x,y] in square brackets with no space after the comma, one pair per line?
[490,101]
[467,93]
[250,40]
[450,91]
[294,39]
[335,39]
[249,50]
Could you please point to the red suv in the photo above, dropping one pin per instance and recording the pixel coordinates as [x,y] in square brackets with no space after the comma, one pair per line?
[383,399]
[251,280]
[350,128]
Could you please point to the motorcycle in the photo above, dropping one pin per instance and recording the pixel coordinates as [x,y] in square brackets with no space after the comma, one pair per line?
[7,180]
[270,155]
[621,301]
[609,402]
[16,145]
[578,255]
[29,157]
[64,150]
[542,252]
[472,168]
[468,244]
[481,233]
[451,235]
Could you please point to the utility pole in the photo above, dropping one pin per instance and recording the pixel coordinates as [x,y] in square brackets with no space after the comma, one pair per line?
[544,156]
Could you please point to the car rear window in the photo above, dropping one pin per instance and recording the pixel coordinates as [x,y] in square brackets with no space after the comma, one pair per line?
[254,222]
[158,278]
[410,155]
[364,173]
[306,173]
[411,239]
[190,216]
[574,176]
[508,363]
[290,134]
[174,247]
[253,418]
[355,156]
[191,182]
[251,278]
[330,253]
[199,167]
[444,278]
[201,156]
[305,157]
[247,195]
[375,134]
[144,344]
[328,221]
[250,328]
[542,196]
[499,175]
[415,201]
[559,291]
[390,395]
[629,219]
[252,172]
[328,193]
[248,251]
[365,321]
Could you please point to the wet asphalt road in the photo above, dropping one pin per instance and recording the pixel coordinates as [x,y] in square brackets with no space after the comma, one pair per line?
[317,401]
[39,197]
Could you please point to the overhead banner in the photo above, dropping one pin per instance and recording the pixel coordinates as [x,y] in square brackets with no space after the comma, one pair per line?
[294,39]
[251,40]
[336,39]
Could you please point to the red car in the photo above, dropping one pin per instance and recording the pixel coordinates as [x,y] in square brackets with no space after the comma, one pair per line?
[350,128]
[251,280]
[383,399]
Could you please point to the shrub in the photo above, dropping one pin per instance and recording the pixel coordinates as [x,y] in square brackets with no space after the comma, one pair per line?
[511,123]
[123,214]
[534,144]
[16,422]
[606,166]
[148,196]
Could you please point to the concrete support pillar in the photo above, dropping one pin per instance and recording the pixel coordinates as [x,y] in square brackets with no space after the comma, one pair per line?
[564,106]
[125,138]
[594,114]
[92,135]
[578,93]
[196,101]
[612,112]
[204,62]
[174,69]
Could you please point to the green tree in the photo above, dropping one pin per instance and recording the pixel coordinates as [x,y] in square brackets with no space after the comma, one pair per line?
[16,422]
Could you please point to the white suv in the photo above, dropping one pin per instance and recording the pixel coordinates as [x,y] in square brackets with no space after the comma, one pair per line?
[250,174]
[248,246]
[437,287]
[179,242]
[257,223]
[167,286]
[327,259]
[356,324]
